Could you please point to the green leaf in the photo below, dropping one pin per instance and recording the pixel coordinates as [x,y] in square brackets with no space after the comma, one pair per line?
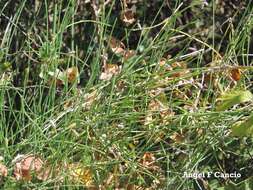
[232,98]
[4,66]
[244,128]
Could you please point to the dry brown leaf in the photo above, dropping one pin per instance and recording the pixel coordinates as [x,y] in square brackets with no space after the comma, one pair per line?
[80,173]
[105,76]
[56,172]
[59,77]
[182,67]
[45,173]
[162,110]
[211,79]
[3,171]
[127,16]
[235,74]
[133,187]
[112,178]
[112,68]
[72,74]
[148,119]
[166,115]
[67,104]
[153,106]
[128,54]
[178,138]
[121,86]
[55,77]
[26,165]
[116,46]
[176,70]
[109,71]
[59,82]
[89,99]
[148,160]
[162,64]
[54,80]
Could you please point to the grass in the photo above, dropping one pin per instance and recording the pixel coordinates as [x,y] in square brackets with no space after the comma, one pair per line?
[144,127]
